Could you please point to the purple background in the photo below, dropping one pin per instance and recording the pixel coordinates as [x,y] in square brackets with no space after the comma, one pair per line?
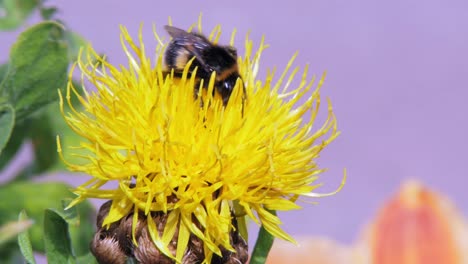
[397,77]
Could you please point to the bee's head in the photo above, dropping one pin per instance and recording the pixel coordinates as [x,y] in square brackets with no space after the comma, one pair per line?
[226,85]
[229,82]
[232,51]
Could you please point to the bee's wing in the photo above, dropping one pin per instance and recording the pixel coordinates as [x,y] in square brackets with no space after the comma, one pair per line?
[193,42]
[176,32]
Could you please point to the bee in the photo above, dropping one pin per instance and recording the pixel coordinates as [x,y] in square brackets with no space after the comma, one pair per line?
[209,58]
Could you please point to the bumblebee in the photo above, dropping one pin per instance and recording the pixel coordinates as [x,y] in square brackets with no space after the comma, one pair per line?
[209,58]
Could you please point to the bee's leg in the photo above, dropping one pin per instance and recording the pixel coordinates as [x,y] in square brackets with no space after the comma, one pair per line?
[225,94]
[196,90]
[175,73]
[244,99]
[178,74]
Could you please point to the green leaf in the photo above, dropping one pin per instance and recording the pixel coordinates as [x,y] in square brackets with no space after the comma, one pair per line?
[3,71]
[7,121]
[24,242]
[35,198]
[86,259]
[44,130]
[42,136]
[42,133]
[44,143]
[9,230]
[57,240]
[70,215]
[14,12]
[67,136]
[11,149]
[75,42]
[262,246]
[38,67]
[48,12]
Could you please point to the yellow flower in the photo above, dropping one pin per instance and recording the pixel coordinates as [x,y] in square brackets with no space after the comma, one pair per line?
[169,152]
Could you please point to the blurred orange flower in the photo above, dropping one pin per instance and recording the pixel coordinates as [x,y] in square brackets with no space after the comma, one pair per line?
[415,226]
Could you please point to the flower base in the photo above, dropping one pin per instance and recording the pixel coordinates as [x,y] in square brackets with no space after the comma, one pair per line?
[115,243]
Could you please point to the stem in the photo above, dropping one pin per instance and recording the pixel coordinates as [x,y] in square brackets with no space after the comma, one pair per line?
[262,246]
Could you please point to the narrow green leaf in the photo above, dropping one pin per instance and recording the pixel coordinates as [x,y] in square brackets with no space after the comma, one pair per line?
[9,230]
[14,12]
[57,240]
[82,230]
[35,198]
[38,67]
[262,246]
[24,242]
[7,122]
[48,12]
[14,143]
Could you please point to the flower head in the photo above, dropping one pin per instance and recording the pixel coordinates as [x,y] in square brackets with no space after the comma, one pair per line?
[194,158]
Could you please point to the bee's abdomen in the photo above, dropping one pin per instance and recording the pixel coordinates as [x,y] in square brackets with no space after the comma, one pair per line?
[176,56]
